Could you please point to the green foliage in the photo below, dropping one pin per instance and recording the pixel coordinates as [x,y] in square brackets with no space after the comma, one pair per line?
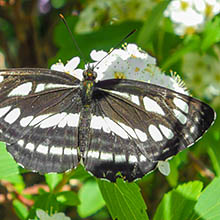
[100,25]
[8,166]
[208,204]
[179,203]
[92,203]
[123,200]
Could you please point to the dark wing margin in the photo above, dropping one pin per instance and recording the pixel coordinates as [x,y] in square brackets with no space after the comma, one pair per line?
[142,123]
[39,114]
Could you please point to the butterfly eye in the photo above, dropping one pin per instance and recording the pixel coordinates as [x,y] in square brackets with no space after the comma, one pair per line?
[89,74]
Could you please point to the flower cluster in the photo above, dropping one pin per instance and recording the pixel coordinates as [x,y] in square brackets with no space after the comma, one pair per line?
[189,16]
[130,62]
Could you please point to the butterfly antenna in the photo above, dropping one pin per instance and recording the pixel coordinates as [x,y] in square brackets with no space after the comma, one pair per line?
[118,44]
[73,39]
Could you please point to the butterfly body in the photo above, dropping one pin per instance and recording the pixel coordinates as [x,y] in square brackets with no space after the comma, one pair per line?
[51,121]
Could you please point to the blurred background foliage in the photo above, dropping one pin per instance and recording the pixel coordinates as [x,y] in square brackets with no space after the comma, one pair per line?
[32,35]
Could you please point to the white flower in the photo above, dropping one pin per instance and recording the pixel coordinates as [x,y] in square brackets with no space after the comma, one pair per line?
[70,67]
[127,63]
[189,16]
[208,8]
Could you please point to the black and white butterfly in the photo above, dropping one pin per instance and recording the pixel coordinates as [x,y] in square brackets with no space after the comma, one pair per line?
[51,121]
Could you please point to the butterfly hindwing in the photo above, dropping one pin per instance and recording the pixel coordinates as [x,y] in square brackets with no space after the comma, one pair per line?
[39,118]
[112,151]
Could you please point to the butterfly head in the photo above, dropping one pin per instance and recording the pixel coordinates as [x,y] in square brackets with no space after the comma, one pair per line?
[89,74]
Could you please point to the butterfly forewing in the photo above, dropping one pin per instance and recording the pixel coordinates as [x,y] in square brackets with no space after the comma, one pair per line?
[40,112]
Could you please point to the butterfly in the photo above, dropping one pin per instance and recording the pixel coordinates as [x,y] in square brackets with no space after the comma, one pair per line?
[52,121]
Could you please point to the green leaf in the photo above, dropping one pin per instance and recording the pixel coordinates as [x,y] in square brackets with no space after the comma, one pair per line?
[213,143]
[103,39]
[208,205]
[91,199]
[46,201]
[8,166]
[211,33]
[151,24]
[189,45]
[20,209]
[53,179]
[68,198]
[80,173]
[172,178]
[124,200]
[178,204]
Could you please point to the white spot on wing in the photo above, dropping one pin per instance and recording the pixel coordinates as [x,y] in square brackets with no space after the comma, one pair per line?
[30,147]
[21,143]
[141,135]
[93,154]
[1,78]
[152,106]
[132,159]
[13,115]
[129,130]
[135,99]
[120,158]
[4,110]
[166,131]
[122,94]
[180,116]
[39,119]
[40,87]
[98,122]
[73,120]
[53,120]
[116,128]
[106,156]
[42,149]
[53,86]
[192,129]
[74,151]
[67,151]
[21,90]
[155,133]
[142,158]
[24,122]
[56,150]
[181,104]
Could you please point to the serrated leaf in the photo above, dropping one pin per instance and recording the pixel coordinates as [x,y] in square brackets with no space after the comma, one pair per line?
[8,166]
[91,199]
[208,205]
[124,200]
[46,201]
[53,179]
[20,209]
[68,198]
[178,204]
